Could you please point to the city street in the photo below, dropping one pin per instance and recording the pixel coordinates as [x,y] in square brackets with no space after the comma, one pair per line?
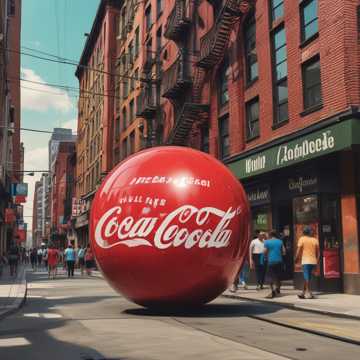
[83,318]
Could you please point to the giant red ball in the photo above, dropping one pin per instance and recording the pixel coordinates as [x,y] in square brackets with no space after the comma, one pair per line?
[170,227]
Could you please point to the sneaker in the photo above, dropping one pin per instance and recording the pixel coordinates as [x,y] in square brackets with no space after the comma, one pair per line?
[277,291]
[301,296]
[309,296]
[271,295]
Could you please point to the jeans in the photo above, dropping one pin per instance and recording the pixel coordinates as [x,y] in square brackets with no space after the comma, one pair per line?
[70,264]
[260,269]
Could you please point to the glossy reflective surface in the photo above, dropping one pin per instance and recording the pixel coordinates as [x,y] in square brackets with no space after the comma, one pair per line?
[169,227]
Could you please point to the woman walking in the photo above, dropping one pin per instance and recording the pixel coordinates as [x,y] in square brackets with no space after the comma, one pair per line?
[89,260]
[53,259]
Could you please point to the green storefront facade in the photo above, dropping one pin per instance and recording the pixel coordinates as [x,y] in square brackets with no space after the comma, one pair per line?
[310,179]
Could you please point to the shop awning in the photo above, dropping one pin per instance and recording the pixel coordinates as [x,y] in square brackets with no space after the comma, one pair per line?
[336,137]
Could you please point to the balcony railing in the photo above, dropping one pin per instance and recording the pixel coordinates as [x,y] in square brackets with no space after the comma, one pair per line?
[214,43]
[146,102]
[176,79]
[178,21]
[187,117]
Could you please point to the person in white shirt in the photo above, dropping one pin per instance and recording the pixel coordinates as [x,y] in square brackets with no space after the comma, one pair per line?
[257,260]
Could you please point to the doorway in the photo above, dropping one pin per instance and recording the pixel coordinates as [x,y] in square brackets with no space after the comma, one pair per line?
[285,221]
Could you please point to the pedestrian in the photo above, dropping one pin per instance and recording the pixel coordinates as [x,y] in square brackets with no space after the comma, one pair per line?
[274,251]
[70,258]
[52,259]
[257,258]
[308,252]
[39,257]
[89,260]
[33,258]
[81,259]
[45,257]
[13,257]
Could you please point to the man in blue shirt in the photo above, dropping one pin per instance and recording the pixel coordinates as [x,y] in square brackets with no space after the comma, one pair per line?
[274,251]
[70,258]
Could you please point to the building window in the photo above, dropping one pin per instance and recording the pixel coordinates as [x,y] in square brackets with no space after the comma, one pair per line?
[205,139]
[277,9]
[223,83]
[132,111]
[224,139]
[124,149]
[309,19]
[137,42]
[148,22]
[131,53]
[132,142]
[159,8]
[124,118]
[250,49]
[11,8]
[117,129]
[312,83]
[252,119]
[280,76]
[158,40]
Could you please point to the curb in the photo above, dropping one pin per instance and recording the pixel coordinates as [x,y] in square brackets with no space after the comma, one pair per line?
[21,292]
[294,307]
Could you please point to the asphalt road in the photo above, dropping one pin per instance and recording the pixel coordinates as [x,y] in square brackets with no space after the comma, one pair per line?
[84,319]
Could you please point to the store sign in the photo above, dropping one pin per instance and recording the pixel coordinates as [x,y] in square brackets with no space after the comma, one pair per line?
[259,195]
[19,189]
[331,139]
[303,184]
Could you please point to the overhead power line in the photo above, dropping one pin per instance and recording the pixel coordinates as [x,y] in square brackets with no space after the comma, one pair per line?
[66,87]
[64,61]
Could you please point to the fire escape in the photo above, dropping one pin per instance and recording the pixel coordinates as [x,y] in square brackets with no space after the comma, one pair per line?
[177,80]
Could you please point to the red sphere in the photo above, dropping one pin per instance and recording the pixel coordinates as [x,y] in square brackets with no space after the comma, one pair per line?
[170,227]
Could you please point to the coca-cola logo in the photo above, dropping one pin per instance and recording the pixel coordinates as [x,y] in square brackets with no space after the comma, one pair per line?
[112,229]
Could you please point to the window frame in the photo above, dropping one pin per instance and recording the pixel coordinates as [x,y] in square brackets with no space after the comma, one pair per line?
[248,64]
[304,66]
[272,11]
[205,134]
[248,104]
[222,136]
[223,71]
[304,41]
[278,82]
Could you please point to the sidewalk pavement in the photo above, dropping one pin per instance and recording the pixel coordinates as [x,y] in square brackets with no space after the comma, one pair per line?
[340,305]
[12,291]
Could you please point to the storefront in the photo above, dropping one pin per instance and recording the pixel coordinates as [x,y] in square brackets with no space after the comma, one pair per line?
[310,181]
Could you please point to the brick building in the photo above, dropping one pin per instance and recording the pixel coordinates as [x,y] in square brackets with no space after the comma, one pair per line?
[271,88]
[280,79]
[96,107]
[10,149]
[62,193]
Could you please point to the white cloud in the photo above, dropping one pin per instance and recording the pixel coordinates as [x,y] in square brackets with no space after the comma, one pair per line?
[42,98]
[36,159]
[71,124]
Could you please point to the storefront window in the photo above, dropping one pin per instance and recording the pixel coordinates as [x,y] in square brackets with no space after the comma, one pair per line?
[306,213]
[261,219]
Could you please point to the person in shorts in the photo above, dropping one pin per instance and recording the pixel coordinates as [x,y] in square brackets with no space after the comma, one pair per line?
[308,251]
[274,251]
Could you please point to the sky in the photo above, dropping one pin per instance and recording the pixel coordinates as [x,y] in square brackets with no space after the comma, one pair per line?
[56,27]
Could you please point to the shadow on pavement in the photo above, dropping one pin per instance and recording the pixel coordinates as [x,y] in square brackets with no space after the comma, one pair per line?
[209,310]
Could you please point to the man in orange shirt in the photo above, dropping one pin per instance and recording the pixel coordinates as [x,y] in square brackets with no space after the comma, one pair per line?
[309,253]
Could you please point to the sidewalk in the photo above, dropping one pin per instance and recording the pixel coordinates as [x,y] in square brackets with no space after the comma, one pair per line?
[340,305]
[12,291]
